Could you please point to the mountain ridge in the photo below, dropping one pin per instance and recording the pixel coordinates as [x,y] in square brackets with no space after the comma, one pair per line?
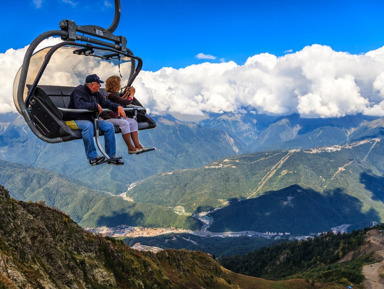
[79,201]
[179,145]
[183,163]
[348,169]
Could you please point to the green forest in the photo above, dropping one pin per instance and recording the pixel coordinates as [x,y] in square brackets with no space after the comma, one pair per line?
[313,259]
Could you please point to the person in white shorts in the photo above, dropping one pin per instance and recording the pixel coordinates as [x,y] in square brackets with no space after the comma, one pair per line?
[128,126]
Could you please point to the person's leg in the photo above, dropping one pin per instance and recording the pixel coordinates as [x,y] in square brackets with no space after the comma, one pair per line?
[125,131]
[86,128]
[109,137]
[127,140]
[135,139]
[134,127]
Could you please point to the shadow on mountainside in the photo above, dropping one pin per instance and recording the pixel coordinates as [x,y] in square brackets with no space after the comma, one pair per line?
[120,218]
[374,184]
[295,210]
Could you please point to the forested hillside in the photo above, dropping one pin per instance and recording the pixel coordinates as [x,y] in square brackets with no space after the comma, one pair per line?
[315,259]
[325,187]
[86,206]
[178,145]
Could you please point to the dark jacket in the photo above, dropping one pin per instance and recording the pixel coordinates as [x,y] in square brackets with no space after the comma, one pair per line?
[116,98]
[83,98]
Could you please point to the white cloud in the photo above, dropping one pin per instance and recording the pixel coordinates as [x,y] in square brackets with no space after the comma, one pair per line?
[108,3]
[205,56]
[70,2]
[10,62]
[37,3]
[314,82]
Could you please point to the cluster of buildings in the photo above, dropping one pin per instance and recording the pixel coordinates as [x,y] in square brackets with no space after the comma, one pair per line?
[128,231]
[133,232]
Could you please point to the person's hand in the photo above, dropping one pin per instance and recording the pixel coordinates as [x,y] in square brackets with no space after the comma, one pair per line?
[121,112]
[129,93]
[126,94]
[132,90]
[99,108]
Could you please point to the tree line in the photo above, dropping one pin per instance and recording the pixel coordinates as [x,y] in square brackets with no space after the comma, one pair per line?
[297,258]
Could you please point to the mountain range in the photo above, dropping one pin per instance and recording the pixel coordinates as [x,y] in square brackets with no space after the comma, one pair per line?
[255,132]
[322,187]
[201,167]
[180,145]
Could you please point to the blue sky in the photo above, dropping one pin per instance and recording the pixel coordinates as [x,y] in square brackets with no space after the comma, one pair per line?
[173,32]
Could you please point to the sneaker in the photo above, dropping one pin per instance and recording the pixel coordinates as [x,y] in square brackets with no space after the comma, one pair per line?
[96,161]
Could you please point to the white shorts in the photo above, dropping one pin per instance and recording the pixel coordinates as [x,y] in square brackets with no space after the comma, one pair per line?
[126,125]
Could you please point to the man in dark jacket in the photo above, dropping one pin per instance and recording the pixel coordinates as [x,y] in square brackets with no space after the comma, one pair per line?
[88,96]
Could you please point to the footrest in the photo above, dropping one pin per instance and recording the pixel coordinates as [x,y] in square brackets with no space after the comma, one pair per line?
[115,161]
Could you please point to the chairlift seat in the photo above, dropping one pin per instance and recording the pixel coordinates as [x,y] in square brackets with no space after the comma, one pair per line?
[49,102]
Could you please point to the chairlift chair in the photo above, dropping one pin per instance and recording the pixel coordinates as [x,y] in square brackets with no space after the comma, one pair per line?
[47,77]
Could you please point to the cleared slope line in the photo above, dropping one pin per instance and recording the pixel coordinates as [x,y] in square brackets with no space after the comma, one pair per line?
[271,172]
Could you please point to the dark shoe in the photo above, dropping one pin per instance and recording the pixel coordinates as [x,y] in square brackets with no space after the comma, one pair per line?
[115,161]
[96,161]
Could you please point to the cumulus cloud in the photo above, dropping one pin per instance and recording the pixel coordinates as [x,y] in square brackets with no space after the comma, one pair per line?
[10,62]
[314,82]
[205,56]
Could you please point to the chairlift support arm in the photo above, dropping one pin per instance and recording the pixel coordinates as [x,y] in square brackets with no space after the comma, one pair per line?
[96,31]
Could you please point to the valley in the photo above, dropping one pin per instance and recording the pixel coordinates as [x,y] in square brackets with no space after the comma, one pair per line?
[315,181]
[123,231]
[273,180]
